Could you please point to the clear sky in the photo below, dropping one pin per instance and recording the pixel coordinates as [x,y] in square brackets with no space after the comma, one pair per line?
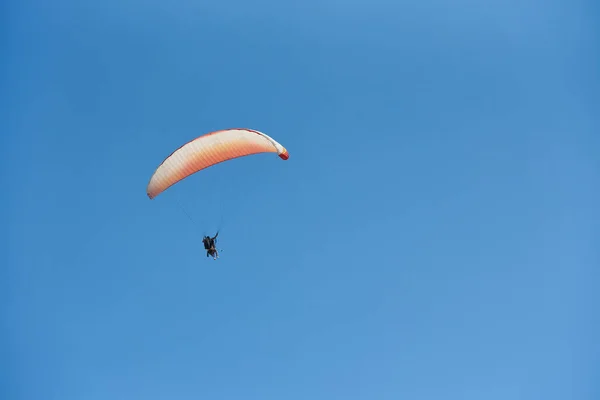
[432,236]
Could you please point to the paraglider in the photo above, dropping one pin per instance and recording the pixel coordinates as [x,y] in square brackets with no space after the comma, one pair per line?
[206,151]
[210,246]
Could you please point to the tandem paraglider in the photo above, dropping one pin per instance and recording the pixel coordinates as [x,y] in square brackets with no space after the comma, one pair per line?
[208,150]
[210,246]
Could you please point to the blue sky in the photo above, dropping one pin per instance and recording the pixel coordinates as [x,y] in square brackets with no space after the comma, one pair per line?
[430,237]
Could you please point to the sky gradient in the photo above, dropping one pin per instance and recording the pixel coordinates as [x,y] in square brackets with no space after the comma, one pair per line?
[432,236]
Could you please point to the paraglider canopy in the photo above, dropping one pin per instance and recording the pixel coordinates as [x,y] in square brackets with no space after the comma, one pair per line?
[208,150]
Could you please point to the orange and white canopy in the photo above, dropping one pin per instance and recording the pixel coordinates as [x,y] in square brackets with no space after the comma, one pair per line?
[208,150]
